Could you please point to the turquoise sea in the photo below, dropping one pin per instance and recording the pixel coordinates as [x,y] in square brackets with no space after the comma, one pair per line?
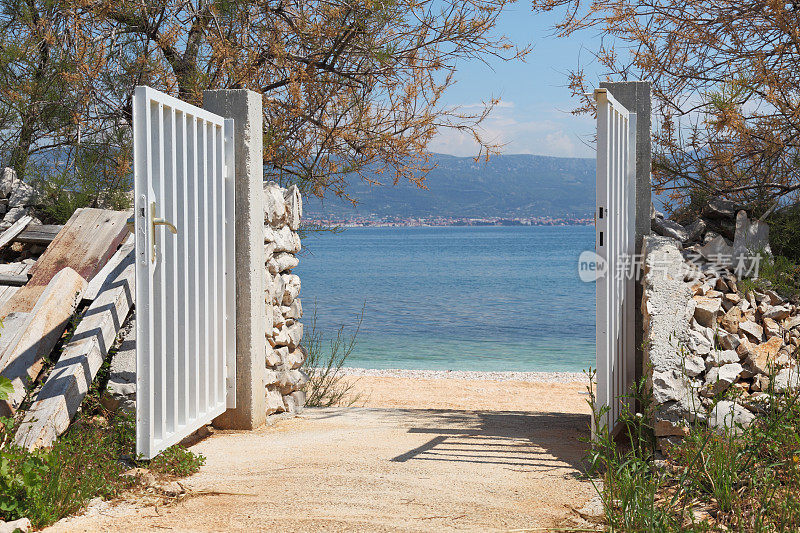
[454,298]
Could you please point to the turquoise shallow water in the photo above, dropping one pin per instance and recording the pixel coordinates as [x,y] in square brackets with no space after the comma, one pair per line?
[455,298]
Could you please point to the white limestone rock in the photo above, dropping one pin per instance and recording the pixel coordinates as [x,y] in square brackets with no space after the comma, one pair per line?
[729,416]
[7,182]
[23,525]
[694,365]
[273,356]
[278,318]
[22,195]
[294,207]
[750,237]
[289,404]
[274,205]
[289,336]
[293,359]
[787,380]
[274,401]
[707,310]
[291,288]
[669,228]
[291,380]
[720,358]
[718,252]
[778,312]
[14,214]
[719,379]
[282,262]
[293,311]
[284,238]
[699,343]
[728,341]
[276,288]
[270,377]
[753,330]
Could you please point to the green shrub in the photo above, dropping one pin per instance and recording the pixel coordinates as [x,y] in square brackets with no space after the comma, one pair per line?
[326,386]
[45,485]
[95,175]
[177,461]
[736,480]
[784,233]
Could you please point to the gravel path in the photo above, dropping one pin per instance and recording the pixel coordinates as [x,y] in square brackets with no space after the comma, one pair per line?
[414,455]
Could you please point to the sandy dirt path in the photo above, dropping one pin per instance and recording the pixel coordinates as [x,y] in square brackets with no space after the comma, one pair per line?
[416,455]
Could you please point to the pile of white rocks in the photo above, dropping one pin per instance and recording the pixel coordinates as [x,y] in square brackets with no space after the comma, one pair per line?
[16,198]
[712,349]
[284,381]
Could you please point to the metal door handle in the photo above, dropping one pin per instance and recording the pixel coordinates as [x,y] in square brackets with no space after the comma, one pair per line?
[155,221]
[167,223]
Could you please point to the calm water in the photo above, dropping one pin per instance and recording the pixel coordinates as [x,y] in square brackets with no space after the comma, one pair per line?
[476,298]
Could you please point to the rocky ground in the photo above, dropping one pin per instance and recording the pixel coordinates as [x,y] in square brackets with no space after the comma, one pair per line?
[414,455]
[716,348]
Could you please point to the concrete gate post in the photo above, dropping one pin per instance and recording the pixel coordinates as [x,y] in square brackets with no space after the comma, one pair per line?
[635,96]
[244,107]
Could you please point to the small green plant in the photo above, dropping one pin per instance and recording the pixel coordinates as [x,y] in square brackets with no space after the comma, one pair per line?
[326,386]
[87,462]
[177,461]
[45,485]
[733,479]
[784,232]
[6,388]
[777,273]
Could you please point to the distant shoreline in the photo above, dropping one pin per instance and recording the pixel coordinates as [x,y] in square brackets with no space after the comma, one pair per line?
[531,377]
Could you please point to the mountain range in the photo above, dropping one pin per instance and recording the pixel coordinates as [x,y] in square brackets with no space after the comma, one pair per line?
[514,186]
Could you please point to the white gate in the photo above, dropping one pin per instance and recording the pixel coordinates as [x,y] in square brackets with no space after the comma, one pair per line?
[185,308]
[615,244]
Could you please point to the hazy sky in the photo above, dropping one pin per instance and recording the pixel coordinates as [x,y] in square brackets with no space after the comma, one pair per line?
[533,116]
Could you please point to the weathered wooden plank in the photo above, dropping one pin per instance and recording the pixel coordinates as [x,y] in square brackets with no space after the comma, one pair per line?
[13,280]
[13,326]
[16,228]
[97,282]
[22,360]
[85,243]
[6,292]
[61,395]
[39,233]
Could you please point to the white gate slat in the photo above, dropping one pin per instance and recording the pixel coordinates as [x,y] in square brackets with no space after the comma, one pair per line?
[183,165]
[229,261]
[615,245]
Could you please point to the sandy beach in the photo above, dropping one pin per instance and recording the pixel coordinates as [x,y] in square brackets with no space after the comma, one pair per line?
[428,389]
[439,453]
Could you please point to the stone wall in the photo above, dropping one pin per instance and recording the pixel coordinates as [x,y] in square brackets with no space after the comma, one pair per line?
[714,352]
[284,379]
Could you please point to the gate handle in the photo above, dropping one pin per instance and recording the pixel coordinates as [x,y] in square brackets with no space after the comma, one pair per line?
[154,221]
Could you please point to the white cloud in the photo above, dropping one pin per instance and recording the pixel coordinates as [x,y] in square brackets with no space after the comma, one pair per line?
[563,135]
[502,104]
